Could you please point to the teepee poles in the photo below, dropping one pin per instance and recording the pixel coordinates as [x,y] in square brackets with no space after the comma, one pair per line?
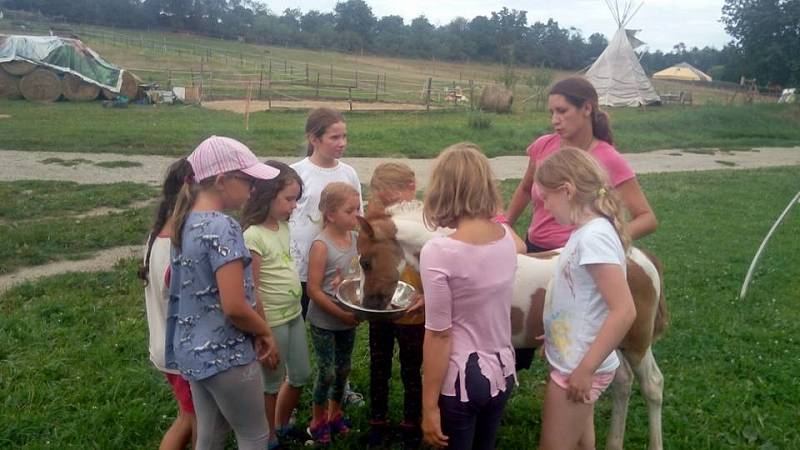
[750,271]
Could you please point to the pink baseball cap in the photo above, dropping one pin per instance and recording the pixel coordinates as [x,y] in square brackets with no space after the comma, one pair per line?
[219,154]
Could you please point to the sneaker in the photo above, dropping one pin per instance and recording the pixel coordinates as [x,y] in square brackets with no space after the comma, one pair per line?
[274,445]
[351,397]
[320,435]
[339,425]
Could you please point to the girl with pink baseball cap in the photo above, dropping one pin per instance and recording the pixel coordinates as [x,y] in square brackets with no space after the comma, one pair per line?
[216,332]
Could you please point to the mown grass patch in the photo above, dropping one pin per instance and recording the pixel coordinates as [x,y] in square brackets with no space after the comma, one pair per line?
[175,130]
[121,164]
[74,369]
[25,200]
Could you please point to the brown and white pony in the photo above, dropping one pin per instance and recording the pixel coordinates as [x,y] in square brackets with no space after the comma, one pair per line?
[391,239]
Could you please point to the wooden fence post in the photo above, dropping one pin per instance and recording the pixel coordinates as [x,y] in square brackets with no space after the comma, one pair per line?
[356,79]
[377,86]
[260,81]
[428,96]
[471,96]
[317,84]
[455,97]
[306,74]
[269,91]
[331,74]
[350,97]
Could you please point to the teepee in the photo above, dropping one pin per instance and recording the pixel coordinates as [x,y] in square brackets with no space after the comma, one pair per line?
[616,74]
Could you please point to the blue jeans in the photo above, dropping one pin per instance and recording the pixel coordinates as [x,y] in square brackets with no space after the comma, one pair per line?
[473,424]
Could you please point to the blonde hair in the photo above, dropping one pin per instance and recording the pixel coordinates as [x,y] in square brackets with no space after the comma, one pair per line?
[389,178]
[592,189]
[333,196]
[461,186]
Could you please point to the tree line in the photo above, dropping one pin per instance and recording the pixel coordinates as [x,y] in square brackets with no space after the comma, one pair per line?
[504,36]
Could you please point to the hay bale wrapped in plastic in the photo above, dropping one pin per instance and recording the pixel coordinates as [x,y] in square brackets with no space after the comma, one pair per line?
[129,89]
[77,90]
[496,98]
[130,85]
[18,68]
[41,85]
[9,86]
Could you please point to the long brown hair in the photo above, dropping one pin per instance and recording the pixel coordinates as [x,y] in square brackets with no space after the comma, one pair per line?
[591,186]
[256,210]
[177,173]
[578,91]
[318,122]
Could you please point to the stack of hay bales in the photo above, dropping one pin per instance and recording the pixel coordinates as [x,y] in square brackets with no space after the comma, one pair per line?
[496,98]
[39,84]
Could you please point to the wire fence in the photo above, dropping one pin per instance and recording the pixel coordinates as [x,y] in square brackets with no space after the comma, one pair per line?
[226,74]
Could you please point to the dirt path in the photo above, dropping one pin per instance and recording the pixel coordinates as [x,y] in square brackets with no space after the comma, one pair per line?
[103,259]
[19,165]
[24,165]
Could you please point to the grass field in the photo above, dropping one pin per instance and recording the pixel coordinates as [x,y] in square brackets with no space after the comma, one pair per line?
[175,130]
[41,220]
[74,369]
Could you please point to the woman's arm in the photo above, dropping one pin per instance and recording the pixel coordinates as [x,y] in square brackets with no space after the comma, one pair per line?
[317,257]
[613,287]
[435,360]
[643,220]
[522,195]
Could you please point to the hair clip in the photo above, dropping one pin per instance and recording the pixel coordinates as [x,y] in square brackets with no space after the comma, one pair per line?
[602,192]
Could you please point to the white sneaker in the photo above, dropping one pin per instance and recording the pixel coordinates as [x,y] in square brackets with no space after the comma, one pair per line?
[351,397]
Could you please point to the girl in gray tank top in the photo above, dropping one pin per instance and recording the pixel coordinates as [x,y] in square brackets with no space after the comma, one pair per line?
[333,333]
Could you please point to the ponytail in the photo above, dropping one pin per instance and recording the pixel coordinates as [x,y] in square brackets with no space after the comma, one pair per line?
[609,205]
[173,181]
[601,125]
[183,206]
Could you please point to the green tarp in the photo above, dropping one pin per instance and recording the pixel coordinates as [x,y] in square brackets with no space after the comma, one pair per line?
[64,55]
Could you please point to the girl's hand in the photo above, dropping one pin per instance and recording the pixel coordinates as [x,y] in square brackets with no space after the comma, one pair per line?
[579,385]
[349,318]
[432,428]
[267,350]
[417,304]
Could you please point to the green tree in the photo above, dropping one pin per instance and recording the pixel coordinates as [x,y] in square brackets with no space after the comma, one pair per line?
[768,36]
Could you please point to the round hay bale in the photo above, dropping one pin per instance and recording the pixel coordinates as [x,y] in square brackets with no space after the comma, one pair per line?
[77,90]
[107,94]
[130,85]
[41,85]
[497,99]
[9,86]
[18,68]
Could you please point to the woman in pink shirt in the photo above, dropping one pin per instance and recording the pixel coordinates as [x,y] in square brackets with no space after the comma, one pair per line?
[468,278]
[577,122]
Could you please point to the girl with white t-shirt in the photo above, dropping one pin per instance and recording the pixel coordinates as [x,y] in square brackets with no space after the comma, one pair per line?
[590,307]
[155,274]
[326,132]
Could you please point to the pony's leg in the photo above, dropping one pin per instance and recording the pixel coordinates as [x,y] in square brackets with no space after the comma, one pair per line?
[620,395]
[651,382]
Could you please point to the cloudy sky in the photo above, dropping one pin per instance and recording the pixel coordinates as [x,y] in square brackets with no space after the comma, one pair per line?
[664,23]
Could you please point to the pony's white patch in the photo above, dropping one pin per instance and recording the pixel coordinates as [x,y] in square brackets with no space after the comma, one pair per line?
[649,268]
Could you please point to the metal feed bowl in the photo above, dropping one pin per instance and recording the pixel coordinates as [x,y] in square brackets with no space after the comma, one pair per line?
[349,295]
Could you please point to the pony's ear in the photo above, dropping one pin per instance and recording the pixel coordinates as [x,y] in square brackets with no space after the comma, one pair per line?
[365,227]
